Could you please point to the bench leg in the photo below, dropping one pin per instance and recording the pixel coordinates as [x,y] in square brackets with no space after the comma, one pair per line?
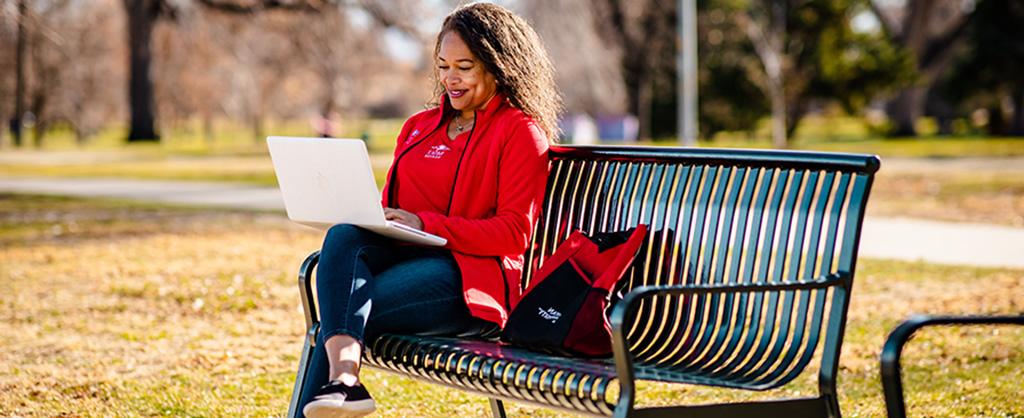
[497,408]
[300,377]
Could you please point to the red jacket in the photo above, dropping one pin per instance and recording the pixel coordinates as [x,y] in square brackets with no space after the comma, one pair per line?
[495,201]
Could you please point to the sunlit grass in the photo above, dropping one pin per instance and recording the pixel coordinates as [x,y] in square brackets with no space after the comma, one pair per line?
[232,155]
[851,134]
[821,133]
[932,147]
[189,138]
[995,197]
[119,309]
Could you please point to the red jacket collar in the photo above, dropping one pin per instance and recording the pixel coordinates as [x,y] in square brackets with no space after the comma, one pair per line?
[497,102]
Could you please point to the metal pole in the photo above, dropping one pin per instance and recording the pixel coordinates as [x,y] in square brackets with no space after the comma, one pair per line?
[19,93]
[686,72]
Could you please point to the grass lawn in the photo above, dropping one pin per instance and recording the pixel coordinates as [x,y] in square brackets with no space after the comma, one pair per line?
[116,309]
[951,191]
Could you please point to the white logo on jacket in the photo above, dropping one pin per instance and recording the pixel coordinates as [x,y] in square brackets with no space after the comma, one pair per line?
[549,315]
[437,151]
[412,136]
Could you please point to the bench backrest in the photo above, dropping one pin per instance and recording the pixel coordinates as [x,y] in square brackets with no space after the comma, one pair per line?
[720,217]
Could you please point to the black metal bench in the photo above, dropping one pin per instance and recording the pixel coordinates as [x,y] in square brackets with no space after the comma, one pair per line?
[749,266]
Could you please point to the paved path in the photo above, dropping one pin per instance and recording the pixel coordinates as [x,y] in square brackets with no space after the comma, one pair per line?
[226,195]
[895,238]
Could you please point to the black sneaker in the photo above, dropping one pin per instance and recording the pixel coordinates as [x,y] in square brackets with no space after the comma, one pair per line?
[337,400]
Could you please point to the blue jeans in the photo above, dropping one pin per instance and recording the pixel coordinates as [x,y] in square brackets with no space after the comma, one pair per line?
[368,286]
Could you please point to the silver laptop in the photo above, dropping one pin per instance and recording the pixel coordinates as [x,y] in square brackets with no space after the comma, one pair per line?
[328,181]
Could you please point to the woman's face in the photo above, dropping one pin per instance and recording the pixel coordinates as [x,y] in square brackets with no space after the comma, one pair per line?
[468,84]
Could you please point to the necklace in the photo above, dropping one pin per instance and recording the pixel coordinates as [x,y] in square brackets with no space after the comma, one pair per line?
[461,127]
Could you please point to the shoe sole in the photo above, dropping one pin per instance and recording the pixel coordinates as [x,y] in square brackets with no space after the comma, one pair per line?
[336,409]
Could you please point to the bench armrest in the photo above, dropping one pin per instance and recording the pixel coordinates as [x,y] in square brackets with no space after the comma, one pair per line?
[626,307]
[628,303]
[306,294]
[892,383]
[648,291]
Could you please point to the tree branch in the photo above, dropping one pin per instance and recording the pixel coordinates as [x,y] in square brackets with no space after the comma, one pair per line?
[762,45]
[388,18]
[889,25]
[246,7]
[940,49]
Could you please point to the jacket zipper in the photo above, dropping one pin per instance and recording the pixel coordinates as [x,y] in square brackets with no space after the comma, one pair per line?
[458,167]
[448,212]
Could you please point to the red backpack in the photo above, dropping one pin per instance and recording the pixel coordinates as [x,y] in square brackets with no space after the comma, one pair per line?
[563,310]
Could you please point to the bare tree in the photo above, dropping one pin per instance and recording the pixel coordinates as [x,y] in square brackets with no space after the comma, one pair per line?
[144,14]
[91,94]
[341,57]
[264,60]
[931,31]
[764,22]
[8,35]
[645,33]
[197,66]
[46,53]
[590,82]
[52,89]
[19,89]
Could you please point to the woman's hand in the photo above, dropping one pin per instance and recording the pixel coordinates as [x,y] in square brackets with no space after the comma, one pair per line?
[403,217]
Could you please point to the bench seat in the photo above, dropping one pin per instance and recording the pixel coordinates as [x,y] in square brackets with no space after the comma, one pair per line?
[488,368]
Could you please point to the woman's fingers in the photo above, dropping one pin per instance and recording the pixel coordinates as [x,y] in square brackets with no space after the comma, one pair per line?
[404,217]
[394,214]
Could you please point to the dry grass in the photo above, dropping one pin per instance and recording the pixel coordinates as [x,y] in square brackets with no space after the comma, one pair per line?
[968,190]
[251,168]
[115,309]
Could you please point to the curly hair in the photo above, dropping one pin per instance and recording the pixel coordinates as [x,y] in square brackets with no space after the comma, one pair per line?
[511,51]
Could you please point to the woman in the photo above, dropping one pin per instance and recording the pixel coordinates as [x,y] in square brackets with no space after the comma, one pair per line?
[472,169]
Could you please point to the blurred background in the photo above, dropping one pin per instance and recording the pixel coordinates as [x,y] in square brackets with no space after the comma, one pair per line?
[147,267]
[201,72]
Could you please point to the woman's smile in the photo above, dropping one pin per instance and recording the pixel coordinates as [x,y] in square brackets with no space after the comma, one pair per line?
[455,94]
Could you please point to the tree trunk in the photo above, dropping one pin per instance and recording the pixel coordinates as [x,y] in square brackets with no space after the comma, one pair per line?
[257,128]
[796,111]
[208,128]
[996,122]
[80,136]
[142,16]
[633,76]
[1017,126]
[934,51]
[19,90]
[39,102]
[644,102]
[778,123]
[38,132]
[906,109]
[768,35]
